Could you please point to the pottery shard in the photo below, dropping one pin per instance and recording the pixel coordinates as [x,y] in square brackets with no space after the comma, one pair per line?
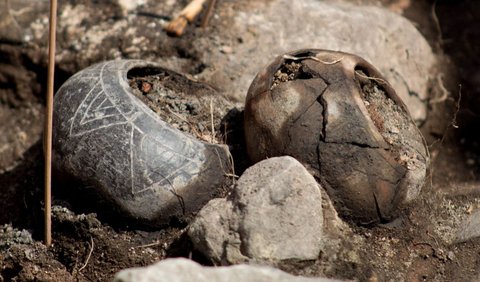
[106,138]
[339,116]
[274,214]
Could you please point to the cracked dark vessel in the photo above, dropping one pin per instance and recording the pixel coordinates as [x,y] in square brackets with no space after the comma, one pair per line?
[111,142]
[336,114]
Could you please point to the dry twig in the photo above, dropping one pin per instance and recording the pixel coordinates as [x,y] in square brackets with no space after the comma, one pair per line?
[289,57]
[209,12]
[187,15]
[445,92]
[453,124]
[457,107]
[376,79]
[88,257]
[153,244]
[211,120]
[437,24]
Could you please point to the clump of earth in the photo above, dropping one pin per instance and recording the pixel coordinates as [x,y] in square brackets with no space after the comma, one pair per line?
[192,107]
[289,71]
[390,119]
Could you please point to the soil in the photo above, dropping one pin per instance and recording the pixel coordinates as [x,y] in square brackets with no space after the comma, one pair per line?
[392,122]
[84,249]
[288,71]
[418,247]
[189,106]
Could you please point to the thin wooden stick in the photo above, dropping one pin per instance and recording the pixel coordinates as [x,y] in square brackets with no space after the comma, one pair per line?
[211,120]
[187,15]
[156,243]
[208,13]
[49,123]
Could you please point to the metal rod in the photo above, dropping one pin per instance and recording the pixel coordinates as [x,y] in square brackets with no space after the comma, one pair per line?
[49,123]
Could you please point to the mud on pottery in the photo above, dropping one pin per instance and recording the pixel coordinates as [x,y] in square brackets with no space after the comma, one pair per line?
[107,138]
[335,113]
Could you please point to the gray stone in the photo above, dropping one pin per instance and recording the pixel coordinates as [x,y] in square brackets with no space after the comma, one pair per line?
[274,214]
[106,138]
[9,28]
[181,269]
[129,5]
[386,40]
[469,229]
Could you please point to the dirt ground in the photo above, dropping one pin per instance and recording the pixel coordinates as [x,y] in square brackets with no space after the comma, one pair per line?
[91,245]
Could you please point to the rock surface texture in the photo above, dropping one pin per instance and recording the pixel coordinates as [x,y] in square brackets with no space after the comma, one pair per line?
[180,269]
[108,139]
[274,214]
[335,113]
[469,229]
[387,40]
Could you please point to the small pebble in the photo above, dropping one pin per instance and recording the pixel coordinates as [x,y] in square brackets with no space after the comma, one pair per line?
[226,49]
[146,87]
[451,255]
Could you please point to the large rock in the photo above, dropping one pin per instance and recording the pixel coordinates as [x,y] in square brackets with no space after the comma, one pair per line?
[108,139]
[180,269]
[387,40]
[274,214]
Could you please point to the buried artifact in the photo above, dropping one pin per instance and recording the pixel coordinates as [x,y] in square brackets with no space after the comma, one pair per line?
[107,138]
[335,113]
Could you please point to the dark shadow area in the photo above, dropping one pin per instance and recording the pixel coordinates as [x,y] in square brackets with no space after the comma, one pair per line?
[21,191]
[183,247]
[459,37]
[82,199]
[453,31]
[233,134]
